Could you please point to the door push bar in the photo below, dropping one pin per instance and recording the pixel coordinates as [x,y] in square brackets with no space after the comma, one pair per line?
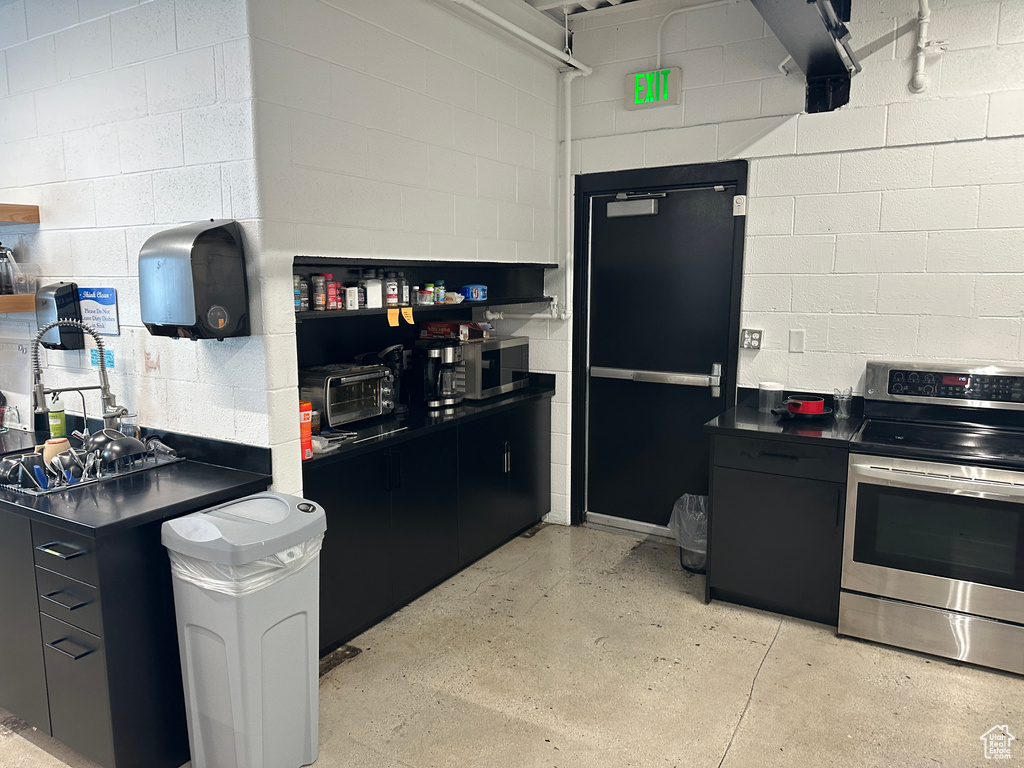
[714,381]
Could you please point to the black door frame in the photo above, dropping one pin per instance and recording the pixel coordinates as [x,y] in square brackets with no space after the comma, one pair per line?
[729,173]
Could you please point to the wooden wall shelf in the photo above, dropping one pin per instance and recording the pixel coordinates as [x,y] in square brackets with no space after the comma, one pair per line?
[19,214]
[18,302]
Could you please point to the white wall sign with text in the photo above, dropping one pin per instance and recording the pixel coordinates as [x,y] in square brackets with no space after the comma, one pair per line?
[99,309]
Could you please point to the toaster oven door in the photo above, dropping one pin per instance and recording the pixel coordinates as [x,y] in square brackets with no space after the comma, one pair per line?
[351,398]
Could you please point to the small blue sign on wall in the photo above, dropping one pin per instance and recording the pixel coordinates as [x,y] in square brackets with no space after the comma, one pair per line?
[99,309]
[108,358]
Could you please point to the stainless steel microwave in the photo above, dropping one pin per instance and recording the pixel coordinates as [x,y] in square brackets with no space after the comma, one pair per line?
[344,393]
[495,366]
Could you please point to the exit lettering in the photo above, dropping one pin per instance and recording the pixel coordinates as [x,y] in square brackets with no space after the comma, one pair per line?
[658,88]
[651,86]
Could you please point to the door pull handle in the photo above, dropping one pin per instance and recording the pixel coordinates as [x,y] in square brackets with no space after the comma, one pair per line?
[61,549]
[69,601]
[77,653]
[712,380]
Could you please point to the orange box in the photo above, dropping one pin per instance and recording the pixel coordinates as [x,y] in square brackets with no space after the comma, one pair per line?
[305,428]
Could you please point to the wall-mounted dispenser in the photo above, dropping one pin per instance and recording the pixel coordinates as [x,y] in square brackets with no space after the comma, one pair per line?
[59,301]
[192,282]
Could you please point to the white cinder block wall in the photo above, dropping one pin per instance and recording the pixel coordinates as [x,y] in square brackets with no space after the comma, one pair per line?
[892,227]
[394,129]
[119,120]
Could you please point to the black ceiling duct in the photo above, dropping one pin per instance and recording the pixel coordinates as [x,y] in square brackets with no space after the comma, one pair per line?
[815,35]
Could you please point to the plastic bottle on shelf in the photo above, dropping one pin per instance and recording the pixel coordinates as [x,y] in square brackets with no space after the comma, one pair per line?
[404,297]
[391,297]
[439,292]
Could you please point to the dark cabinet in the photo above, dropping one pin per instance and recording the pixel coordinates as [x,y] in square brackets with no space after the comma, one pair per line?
[406,516]
[355,572]
[776,526]
[22,676]
[424,513]
[509,452]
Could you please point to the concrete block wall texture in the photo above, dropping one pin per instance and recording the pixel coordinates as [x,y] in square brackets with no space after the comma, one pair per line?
[396,130]
[119,120]
[888,228]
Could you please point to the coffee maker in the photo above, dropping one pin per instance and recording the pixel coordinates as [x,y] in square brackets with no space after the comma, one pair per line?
[438,380]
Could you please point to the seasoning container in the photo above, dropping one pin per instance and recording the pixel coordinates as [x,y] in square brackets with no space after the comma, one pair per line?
[403,289]
[305,425]
[319,293]
[439,292]
[426,295]
[391,289]
[303,295]
[352,297]
[295,291]
[374,291]
[334,300]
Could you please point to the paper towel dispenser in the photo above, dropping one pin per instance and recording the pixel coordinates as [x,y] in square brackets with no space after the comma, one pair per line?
[192,281]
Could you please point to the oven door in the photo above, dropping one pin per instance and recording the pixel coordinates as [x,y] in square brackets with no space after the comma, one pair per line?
[351,398]
[940,535]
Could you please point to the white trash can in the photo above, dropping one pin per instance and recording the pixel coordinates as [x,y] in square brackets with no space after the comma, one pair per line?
[246,577]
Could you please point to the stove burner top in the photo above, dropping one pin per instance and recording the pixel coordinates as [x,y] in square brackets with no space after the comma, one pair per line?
[950,442]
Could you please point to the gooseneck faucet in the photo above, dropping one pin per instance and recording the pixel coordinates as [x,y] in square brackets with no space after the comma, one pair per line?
[111,410]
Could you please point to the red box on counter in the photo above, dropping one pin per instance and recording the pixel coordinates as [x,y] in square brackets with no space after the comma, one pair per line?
[305,428]
[439,329]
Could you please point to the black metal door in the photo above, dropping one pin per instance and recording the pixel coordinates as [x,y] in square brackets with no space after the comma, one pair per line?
[662,312]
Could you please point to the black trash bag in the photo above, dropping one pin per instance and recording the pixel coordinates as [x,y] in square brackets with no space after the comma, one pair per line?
[689,524]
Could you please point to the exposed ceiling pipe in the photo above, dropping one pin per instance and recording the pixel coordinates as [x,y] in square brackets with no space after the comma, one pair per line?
[920,81]
[522,34]
[576,69]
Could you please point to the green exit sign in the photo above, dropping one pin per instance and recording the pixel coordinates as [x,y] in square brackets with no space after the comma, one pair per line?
[659,88]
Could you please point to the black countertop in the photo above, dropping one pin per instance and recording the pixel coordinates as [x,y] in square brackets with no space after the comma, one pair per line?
[100,509]
[749,422]
[397,428]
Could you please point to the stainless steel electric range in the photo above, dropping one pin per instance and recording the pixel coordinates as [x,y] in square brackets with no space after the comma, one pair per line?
[933,554]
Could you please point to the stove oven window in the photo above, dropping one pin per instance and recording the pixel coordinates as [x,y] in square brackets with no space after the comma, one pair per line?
[955,537]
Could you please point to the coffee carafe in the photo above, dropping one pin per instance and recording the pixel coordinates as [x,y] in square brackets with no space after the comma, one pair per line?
[438,365]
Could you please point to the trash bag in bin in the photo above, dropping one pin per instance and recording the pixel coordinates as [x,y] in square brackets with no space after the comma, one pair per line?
[689,524]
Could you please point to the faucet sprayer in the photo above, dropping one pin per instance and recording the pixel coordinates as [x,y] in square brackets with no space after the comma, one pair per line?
[111,410]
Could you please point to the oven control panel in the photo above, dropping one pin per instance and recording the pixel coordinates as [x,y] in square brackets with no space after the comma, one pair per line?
[957,386]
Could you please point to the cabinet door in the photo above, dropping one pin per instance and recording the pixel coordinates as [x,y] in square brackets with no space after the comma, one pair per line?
[483,486]
[22,676]
[529,464]
[424,513]
[777,543]
[355,573]
[76,674]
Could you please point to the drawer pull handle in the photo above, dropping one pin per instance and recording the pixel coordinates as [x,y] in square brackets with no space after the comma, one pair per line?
[781,456]
[75,651]
[70,601]
[61,549]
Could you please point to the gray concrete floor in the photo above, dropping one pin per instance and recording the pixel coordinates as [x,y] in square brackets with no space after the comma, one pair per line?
[578,647]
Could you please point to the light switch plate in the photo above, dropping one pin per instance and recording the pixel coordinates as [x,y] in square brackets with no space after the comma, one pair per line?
[797,339]
[752,338]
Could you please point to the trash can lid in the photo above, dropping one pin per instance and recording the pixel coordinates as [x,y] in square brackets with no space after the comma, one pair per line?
[246,529]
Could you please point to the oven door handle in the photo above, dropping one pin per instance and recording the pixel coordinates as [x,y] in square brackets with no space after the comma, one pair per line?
[916,481]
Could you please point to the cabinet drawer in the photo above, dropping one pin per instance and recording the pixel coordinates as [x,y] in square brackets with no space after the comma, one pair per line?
[781,457]
[76,680]
[66,553]
[72,601]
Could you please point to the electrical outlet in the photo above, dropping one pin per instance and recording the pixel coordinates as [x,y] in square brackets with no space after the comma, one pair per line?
[752,338]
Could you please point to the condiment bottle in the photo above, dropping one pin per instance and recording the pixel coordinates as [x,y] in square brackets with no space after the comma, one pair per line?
[391,289]
[439,292]
[58,423]
[403,290]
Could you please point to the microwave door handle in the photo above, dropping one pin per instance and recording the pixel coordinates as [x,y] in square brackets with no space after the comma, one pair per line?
[916,481]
